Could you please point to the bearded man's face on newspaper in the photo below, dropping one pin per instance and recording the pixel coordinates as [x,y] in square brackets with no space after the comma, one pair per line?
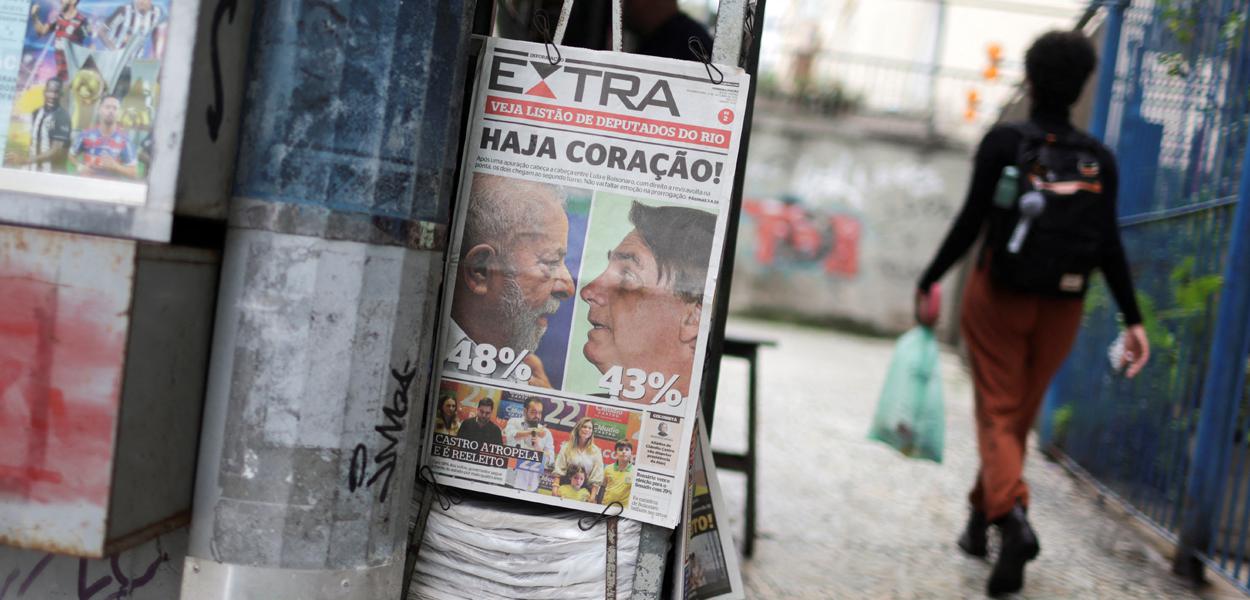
[537,279]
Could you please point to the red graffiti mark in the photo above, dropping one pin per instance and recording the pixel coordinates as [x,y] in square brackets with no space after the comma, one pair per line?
[10,372]
[29,474]
[787,233]
[843,259]
[61,355]
[56,403]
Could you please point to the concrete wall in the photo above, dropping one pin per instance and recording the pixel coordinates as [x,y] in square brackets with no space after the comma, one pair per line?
[868,208]
[152,571]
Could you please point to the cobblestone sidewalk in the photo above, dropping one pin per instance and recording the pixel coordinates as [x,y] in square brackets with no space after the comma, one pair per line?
[843,517]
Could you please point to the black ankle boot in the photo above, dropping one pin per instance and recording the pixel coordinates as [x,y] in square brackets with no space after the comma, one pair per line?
[973,539]
[1019,547]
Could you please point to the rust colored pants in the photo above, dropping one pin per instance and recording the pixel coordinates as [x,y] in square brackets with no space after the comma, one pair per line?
[1016,342]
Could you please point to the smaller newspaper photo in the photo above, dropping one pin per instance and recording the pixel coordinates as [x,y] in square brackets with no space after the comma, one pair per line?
[708,567]
[577,454]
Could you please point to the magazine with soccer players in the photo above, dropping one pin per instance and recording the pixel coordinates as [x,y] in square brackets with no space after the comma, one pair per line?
[79,85]
[588,235]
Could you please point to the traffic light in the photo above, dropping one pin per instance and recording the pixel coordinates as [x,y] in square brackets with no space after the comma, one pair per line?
[974,101]
[995,54]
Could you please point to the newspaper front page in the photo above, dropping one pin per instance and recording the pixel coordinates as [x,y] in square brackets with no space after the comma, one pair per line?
[577,302]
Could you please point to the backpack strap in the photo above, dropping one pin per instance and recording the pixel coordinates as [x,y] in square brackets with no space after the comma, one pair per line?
[1030,134]
[1031,137]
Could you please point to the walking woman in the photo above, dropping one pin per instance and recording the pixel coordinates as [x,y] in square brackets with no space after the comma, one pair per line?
[1051,223]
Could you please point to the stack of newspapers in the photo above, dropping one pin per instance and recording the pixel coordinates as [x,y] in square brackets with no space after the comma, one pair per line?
[488,550]
[494,549]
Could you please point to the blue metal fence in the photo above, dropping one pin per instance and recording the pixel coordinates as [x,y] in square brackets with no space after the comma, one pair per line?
[1175,442]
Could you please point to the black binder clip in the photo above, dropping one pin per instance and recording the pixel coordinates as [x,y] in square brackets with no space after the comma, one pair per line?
[446,498]
[696,48]
[543,26]
[589,522]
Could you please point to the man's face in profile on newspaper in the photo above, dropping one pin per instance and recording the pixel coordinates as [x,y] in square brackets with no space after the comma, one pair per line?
[637,321]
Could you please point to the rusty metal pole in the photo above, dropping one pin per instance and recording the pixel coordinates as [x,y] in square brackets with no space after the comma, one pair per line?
[325,322]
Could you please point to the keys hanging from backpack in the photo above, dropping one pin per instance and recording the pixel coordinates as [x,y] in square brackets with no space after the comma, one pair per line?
[1049,237]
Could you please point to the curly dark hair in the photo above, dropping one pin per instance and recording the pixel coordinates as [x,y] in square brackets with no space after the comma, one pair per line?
[1058,64]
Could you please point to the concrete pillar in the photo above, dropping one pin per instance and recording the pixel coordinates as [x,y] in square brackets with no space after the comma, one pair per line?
[325,325]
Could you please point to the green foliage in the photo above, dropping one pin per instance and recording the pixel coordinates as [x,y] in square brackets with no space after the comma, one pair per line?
[1188,311]
[1160,338]
[1234,25]
[1192,292]
[1060,423]
[1176,63]
[832,98]
[1097,298]
[1181,17]
[1191,297]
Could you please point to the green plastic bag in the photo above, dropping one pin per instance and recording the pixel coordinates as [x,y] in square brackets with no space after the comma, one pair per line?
[910,414]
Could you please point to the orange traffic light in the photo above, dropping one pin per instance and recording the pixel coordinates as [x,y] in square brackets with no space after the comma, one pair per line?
[995,54]
[974,101]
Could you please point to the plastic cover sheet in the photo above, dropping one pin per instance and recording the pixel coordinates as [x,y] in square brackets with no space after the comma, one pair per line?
[493,550]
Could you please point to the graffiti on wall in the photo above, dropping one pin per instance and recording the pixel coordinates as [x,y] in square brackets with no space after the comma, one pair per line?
[392,431]
[114,580]
[789,235]
[62,347]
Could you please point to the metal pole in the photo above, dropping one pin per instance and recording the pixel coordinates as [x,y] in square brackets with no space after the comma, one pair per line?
[1221,395]
[935,67]
[724,280]
[727,46]
[1106,67]
[325,324]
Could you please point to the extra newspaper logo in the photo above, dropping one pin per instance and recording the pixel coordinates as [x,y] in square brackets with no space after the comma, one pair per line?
[595,86]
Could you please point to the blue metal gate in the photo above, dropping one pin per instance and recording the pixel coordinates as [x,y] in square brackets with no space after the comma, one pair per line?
[1175,442]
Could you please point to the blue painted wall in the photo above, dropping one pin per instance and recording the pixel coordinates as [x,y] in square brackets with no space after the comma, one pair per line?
[341,98]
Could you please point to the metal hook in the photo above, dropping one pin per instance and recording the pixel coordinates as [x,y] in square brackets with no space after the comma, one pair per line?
[589,522]
[696,48]
[446,498]
[543,26]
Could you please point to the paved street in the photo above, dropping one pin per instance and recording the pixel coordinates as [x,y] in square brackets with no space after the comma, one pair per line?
[844,517]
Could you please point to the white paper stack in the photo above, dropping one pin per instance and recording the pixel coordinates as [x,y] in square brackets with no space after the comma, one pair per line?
[493,550]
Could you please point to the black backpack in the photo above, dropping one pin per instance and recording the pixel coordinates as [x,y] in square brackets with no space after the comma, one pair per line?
[1060,183]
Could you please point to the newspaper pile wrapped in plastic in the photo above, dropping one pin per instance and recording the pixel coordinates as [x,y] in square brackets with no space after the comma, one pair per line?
[494,550]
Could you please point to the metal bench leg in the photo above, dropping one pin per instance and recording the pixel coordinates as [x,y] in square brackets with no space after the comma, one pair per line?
[748,546]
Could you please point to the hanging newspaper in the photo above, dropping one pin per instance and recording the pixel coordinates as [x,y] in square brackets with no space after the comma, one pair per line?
[584,255]
[709,562]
